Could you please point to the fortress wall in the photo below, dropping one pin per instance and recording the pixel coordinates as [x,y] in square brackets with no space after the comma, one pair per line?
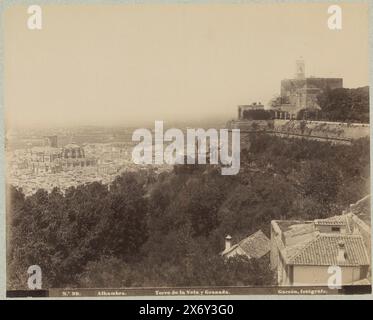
[319,130]
[337,130]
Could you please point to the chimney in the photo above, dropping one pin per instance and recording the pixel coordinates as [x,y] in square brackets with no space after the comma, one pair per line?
[341,256]
[228,242]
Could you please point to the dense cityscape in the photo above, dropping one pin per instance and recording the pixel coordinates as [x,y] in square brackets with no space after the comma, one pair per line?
[45,162]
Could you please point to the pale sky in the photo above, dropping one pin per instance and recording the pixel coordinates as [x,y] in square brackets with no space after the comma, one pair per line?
[126,64]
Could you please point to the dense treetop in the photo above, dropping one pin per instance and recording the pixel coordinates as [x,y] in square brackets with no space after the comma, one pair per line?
[345,105]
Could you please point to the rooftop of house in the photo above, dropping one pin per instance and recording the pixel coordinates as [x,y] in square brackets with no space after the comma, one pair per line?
[255,246]
[324,248]
[319,242]
[332,221]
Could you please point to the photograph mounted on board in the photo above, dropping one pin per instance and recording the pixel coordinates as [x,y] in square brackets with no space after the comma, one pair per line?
[186,149]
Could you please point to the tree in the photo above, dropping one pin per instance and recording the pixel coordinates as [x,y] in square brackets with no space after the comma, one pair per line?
[348,105]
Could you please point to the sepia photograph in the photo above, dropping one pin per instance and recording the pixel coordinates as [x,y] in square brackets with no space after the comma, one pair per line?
[186,149]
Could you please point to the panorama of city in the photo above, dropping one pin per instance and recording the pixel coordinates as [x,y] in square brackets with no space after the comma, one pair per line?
[299,249]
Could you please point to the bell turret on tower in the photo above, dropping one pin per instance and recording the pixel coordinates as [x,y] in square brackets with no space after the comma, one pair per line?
[300,69]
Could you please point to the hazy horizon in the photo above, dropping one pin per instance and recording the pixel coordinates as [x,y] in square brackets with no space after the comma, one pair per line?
[133,64]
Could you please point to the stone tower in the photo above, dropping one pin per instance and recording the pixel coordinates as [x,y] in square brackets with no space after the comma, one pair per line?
[300,69]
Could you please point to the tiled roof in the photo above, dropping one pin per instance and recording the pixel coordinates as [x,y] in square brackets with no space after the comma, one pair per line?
[323,251]
[332,221]
[256,245]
